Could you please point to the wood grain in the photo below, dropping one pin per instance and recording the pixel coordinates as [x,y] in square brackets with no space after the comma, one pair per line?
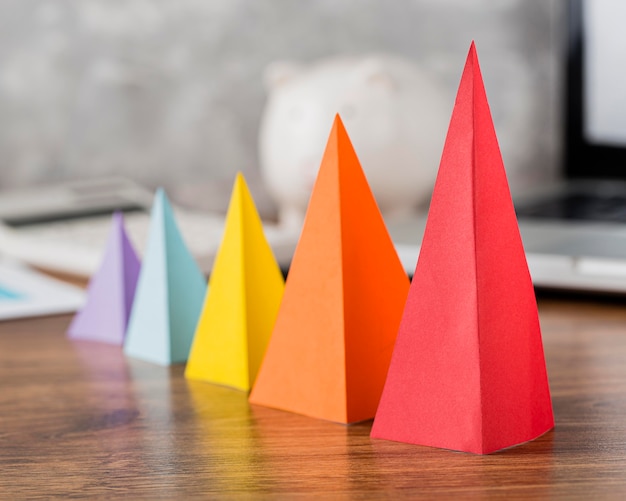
[78,419]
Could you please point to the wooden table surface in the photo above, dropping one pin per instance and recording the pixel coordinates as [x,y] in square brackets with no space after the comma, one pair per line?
[78,419]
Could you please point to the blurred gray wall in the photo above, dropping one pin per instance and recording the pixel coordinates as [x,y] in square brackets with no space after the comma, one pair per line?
[172,91]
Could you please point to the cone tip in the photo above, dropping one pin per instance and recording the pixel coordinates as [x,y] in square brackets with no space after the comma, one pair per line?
[239,178]
[240,184]
[472,51]
[338,123]
[118,218]
[160,197]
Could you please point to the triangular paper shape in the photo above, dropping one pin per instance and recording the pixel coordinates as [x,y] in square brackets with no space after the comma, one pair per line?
[468,370]
[169,293]
[344,296]
[110,292]
[242,301]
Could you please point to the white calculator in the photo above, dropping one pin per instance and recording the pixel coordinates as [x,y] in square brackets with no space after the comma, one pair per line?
[64,227]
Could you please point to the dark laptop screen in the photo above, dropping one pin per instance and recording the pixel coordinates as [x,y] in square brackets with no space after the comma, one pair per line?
[595,110]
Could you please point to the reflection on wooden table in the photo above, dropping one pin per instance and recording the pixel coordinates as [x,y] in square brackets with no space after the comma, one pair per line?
[80,419]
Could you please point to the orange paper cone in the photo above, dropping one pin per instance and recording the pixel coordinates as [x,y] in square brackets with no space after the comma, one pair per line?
[331,345]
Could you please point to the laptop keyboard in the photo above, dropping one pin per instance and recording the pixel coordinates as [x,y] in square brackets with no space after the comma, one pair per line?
[577,207]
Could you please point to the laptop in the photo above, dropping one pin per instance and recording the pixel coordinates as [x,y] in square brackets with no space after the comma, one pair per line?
[574,233]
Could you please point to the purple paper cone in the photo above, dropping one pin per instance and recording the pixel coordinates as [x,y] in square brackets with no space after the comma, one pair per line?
[111,291]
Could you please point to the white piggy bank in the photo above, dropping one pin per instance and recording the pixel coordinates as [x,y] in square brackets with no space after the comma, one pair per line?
[395,115]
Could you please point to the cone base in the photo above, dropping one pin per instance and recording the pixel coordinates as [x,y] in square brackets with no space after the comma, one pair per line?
[471,450]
